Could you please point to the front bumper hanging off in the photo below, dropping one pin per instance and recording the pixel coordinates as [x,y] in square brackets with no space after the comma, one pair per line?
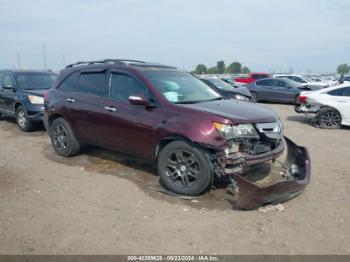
[296,175]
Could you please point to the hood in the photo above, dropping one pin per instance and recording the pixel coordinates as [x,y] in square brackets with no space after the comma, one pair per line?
[240,90]
[237,111]
[37,92]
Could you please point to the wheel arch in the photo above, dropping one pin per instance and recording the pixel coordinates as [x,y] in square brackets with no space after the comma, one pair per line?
[53,117]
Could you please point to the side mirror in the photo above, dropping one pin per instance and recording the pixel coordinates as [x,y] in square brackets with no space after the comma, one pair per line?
[139,100]
[8,87]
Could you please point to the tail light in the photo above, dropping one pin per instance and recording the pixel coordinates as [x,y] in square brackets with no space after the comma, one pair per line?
[302,99]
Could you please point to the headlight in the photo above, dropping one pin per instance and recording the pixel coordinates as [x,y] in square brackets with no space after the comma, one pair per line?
[240,97]
[237,131]
[36,100]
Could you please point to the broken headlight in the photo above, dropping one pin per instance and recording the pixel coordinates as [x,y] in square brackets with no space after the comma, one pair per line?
[236,131]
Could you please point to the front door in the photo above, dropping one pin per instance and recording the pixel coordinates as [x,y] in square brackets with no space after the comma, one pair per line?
[132,125]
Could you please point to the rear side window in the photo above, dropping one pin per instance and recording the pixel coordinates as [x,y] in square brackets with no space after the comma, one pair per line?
[264,83]
[346,91]
[70,83]
[93,83]
[7,80]
[336,92]
[123,86]
[259,76]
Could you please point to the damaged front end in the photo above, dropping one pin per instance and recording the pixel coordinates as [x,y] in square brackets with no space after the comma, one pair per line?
[257,177]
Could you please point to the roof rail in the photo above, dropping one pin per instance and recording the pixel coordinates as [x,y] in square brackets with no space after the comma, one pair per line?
[115,61]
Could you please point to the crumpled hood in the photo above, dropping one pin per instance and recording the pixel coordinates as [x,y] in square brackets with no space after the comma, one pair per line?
[37,92]
[237,111]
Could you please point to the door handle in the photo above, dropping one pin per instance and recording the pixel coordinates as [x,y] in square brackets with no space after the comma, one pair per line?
[110,109]
[341,101]
[70,100]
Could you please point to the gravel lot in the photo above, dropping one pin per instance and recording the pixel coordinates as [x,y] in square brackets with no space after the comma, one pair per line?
[102,202]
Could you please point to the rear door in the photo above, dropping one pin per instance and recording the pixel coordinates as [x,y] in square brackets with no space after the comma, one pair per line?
[265,89]
[346,106]
[340,99]
[2,74]
[84,107]
[283,92]
[8,96]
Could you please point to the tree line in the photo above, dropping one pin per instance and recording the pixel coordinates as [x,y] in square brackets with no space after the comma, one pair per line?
[221,68]
[343,69]
[237,68]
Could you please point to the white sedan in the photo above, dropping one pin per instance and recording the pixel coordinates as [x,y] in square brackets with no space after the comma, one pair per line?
[331,106]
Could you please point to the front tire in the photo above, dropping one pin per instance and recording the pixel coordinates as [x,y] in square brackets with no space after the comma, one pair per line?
[63,139]
[22,120]
[329,118]
[184,169]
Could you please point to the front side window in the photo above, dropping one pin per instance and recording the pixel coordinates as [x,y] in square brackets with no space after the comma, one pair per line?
[34,81]
[70,83]
[181,87]
[221,84]
[123,86]
[93,84]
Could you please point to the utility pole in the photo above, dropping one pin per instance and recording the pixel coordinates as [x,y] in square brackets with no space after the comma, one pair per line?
[44,57]
[19,61]
[64,60]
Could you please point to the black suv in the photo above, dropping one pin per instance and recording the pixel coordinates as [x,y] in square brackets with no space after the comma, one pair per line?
[21,95]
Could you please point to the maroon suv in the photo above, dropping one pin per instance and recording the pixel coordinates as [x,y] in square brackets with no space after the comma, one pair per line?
[169,116]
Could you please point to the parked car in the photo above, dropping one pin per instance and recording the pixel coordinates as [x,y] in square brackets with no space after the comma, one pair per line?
[21,95]
[171,117]
[250,78]
[275,90]
[228,91]
[303,80]
[343,79]
[331,106]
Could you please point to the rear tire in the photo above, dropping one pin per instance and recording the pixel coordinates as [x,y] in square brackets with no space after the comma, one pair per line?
[328,117]
[255,97]
[22,120]
[63,139]
[184,168]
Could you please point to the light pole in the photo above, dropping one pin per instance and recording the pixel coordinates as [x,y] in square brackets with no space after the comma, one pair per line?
[44,57]
[64,60]
[19,61]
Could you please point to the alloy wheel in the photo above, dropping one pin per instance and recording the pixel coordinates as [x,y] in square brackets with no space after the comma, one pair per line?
[60,137]
[22,120]
[183,168]
[254,97]
[330,119]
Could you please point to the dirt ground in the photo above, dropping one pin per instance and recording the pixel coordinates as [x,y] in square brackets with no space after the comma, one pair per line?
[103,202]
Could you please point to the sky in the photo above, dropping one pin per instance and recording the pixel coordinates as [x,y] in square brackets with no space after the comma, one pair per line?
[270,35]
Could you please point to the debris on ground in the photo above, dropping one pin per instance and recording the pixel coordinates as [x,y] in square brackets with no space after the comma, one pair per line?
[271,208]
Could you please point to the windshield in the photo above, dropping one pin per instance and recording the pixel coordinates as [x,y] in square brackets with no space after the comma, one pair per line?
[34,81]
[292,83]
[181,87]
[220,84]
